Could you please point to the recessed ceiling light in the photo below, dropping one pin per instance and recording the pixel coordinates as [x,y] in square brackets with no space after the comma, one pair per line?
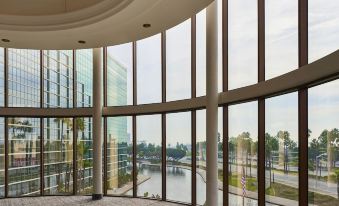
[5,40]
[82,42]
[146,25]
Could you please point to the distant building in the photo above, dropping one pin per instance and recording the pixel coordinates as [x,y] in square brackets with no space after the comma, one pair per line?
[117,136]
[24,133]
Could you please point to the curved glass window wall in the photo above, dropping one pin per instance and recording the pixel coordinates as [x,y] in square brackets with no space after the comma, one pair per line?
[162,155]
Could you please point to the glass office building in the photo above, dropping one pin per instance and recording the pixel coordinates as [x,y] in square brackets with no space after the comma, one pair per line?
[65,139]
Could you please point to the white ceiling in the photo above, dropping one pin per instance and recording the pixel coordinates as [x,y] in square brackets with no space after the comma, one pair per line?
[44,7]
[60,24]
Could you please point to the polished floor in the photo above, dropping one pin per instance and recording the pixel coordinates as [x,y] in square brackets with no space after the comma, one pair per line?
[80,200]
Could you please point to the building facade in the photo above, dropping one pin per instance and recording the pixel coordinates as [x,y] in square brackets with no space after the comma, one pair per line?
[64,139]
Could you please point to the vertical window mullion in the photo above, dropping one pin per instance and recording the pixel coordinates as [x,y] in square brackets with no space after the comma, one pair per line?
[134,126]
[105,118]
[225,89]
[303,103]
[163,115]
[42,179]
[261,103]
[6,119]
[193,113]
[75,92]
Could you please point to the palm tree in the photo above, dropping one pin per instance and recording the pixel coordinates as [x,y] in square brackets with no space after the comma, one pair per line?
[68,123]
[13,124]
[26,127]
[79,127]
[332,136]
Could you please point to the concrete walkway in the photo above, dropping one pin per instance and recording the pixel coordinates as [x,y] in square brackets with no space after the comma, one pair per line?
[81,200]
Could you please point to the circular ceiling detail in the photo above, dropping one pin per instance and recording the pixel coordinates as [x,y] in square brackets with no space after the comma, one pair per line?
[60,24]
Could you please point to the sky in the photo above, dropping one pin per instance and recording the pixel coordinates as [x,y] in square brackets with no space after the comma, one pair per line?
[281,57]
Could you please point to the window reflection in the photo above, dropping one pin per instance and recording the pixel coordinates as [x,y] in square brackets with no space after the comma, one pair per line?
[179,157]
[149,70]
[201,50]
[119,156]
[178,62]
[58,78]
[323,147]
[242,43]
[243,154]
[281,37]
[201,156]
[282,149]
[23,78]
[323,28]
[2,67]
[149,156]
[84,69]
[58,156]
[23,156]
[201,53]
[2,157]
[84,155]
[119,75]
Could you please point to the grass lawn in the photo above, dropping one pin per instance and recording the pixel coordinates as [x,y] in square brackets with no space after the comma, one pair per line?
[323,200]
[284,191]
[291,193]
[251,182]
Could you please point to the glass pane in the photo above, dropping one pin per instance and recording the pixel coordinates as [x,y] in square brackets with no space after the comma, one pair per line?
[119,156]
[242,43]
[281,149]
[219,5]
[149,70]
[281,24]
[23,78]
[178,62]
[323,18]
[201,53]
[220,156]
[2,67]
[58,156]
[178,157]
[201,156]
[24,157]
[2,157]
[120,75]
[243,154]
[323,147]
[58,78]
[84,69]
[84,155]
[149,156]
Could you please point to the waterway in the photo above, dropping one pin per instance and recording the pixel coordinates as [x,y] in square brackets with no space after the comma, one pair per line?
[179,186]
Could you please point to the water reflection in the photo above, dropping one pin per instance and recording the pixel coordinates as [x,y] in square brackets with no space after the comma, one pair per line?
[178,183]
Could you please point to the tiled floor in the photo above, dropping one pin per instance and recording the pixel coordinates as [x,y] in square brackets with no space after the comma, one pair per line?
[80,200]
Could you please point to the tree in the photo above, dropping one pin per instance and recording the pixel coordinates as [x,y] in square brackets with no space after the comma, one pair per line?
[26,127]
[285,144]
[13,124]
[81,151]
[175,153]
[271,145]
[61,156]
[332,137]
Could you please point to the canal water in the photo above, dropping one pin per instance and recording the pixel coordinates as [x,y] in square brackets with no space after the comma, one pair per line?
[179,186]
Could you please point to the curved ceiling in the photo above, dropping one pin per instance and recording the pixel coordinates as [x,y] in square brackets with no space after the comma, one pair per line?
[61,24]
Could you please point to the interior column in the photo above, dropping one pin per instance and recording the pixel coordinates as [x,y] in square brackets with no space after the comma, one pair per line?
[212,105]
[97,118]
